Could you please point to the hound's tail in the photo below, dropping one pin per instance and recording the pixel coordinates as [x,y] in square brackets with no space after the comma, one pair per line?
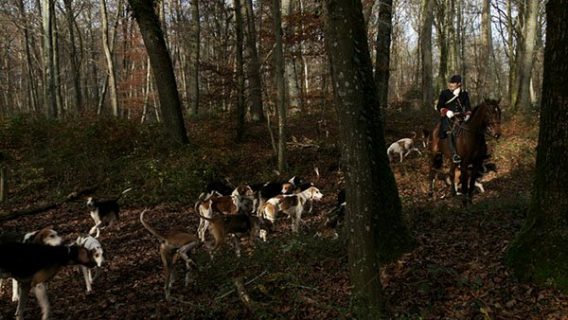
[149,228]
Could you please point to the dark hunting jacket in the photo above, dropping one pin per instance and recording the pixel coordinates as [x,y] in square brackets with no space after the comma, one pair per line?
[448,101]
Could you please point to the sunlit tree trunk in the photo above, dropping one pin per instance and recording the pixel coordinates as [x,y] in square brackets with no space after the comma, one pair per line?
[162,69]
[527,56]
[278,57]
[539,252]
[486,72]
[109,60]
[373,206]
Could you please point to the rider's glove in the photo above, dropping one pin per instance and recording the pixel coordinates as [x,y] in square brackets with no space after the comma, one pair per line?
[449,114]
[467,116]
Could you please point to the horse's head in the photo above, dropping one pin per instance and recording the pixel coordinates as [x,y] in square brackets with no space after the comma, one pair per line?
[489,114]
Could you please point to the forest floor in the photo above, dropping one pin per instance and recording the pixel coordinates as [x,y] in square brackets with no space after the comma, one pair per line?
[456,271]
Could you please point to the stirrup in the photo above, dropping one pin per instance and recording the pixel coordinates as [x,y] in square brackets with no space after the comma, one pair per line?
[456,158]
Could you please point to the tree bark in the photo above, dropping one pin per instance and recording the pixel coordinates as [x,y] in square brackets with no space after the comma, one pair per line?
[382,63]
[426,51]
[49,90]
[31,83]
[486,72]
[278,56]
[539,252]
[75,70]
[162,68]
[110,62]
[527,57]
[255,79]
[291,84]
[373,222]
[240,70]
[195,46]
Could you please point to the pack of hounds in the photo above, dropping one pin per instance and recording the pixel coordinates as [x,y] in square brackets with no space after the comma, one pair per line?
[226,213]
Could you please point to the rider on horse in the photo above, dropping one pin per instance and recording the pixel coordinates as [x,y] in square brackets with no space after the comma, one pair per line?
[453,101]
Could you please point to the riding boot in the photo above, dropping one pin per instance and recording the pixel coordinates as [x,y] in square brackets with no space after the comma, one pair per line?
[452,144]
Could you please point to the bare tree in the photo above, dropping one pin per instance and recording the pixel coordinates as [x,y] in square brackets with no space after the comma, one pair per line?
[280,85]
[195,50]
[426,51]
[527,57]
[382,63]
[539,252]
[161,62]
[240,70]
[254,75]
[75,69]
[373,206]
[110,62]
[49,91]
[486,72]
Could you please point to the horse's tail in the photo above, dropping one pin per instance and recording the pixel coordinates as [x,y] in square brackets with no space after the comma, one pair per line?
[437,161]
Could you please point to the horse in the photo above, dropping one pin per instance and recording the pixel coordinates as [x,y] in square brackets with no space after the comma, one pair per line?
[470,146]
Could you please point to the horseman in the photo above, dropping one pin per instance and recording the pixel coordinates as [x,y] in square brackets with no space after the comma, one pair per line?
[452,102]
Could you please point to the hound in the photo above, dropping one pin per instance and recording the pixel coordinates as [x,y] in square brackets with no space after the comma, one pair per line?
[32,265]
[96,251]
[173,244]
[104,212]
[292,205]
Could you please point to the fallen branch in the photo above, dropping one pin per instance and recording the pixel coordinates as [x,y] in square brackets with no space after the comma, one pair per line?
[246,284]
[5,216]
[243,295]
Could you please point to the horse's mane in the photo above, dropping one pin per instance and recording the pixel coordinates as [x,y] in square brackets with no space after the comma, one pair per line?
[486,103]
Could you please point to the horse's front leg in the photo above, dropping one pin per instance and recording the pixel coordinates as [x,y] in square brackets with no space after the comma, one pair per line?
[452,175]
[464,180]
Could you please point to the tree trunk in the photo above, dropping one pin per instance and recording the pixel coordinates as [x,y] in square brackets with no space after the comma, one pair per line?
[527,57]
[255,80]
[240,70]
[280,85]
[162,69]
[426,50]
[195,52]
[373,206]
[486,72]
[75,70]
[109,60]
[291,84]
[511,53]
[382,63]
[49,92]
[441,22]
[453,56]
[31,83]
[539,252]
[56,69]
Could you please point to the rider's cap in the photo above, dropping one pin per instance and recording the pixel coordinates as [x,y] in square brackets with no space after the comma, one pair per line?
[456,78]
